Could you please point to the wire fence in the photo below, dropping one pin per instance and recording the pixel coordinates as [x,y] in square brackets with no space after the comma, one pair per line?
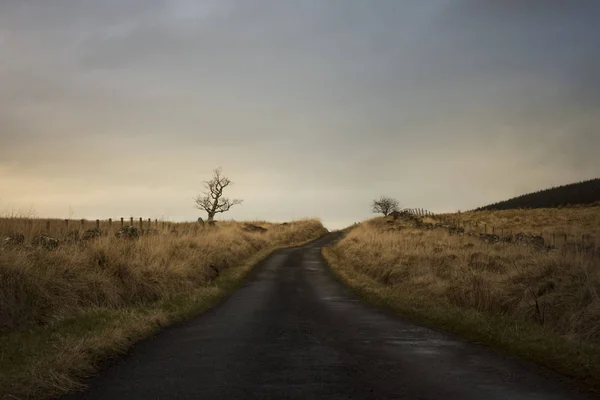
[30,227]
[419,212]
[493,234]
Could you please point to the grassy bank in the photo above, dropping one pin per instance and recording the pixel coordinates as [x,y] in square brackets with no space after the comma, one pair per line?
[64,311]
[542,306]
[572,221]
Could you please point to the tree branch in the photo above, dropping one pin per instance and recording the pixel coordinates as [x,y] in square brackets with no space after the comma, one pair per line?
[212,200]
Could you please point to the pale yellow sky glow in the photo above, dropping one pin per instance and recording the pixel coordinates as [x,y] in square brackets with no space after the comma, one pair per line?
[313,108]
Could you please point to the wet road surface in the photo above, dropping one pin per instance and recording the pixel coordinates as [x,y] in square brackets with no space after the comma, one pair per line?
[293,332]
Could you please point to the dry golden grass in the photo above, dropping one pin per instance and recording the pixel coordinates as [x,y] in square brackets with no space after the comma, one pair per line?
[59,228]
[64,310]
[572,221]
[423,272]
[41,286]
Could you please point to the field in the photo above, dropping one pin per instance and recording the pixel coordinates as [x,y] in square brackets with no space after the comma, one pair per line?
[541,304]
[67,305]
[556,225]
[30,227]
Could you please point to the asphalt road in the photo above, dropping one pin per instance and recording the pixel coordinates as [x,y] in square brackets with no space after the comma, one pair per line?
[293,332]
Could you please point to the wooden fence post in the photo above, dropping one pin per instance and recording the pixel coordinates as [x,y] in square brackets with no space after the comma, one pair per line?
[141,223]
[122,222]
[156,223]
[48,227]
[67,224]
[82,223]
[149,223]
[110,224]
[98,224]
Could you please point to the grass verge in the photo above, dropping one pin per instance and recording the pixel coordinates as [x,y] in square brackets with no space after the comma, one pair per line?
[575,359]
[45,361]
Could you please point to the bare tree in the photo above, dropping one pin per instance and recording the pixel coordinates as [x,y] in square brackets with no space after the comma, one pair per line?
[385,205]
[212,200]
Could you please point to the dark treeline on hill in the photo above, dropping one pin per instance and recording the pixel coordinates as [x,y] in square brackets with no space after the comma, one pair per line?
[586,192]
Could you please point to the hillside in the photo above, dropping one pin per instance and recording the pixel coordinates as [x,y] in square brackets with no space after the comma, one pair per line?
[581,193]
[573,221]
[539,304]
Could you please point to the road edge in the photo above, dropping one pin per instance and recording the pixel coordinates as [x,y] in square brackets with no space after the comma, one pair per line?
[119,330]
[436,317]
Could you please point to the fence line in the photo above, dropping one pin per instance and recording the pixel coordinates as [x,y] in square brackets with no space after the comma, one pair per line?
[85,223]
[64,227]
[419,212]
[455,224]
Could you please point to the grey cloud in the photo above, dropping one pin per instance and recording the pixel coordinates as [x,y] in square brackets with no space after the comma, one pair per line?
[312,107]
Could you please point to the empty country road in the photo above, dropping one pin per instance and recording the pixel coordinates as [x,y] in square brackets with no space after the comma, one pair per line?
[294,332]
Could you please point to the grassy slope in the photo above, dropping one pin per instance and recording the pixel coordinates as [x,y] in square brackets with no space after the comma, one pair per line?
[50,353]
[573,221]
[483,292]
[579,193]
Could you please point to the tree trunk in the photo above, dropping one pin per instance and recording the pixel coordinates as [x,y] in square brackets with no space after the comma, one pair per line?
[211,219]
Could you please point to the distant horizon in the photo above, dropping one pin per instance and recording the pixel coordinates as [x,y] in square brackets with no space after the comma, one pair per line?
[311,108]
[332,225]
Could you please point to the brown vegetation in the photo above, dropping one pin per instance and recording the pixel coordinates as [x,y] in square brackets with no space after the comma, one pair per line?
[538,303]
[573,221]
[65,307]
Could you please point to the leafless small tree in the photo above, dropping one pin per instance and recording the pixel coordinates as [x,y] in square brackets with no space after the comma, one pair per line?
[212,200]
[385,205]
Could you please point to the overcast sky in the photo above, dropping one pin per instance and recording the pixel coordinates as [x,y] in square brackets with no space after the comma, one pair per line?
[312,107]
